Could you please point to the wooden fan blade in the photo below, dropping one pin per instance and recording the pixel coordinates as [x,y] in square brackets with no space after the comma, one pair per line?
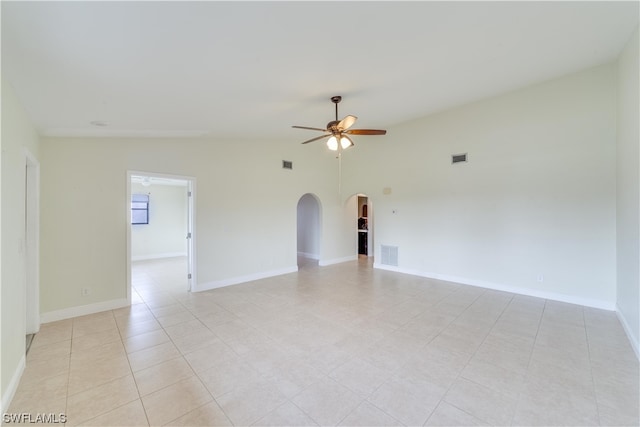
[305,127]
[347,122]
[366,132]
[317,138]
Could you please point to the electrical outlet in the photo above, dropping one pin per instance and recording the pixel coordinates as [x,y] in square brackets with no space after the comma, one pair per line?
[85,291]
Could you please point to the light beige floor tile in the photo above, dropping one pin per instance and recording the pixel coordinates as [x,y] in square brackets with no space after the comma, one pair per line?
[93,325]
[88,374]
[176,319]
[543,404]
[174,308]
[130,415]
[229,376]
[162,375]
[247,343]
[61,330]
[137,328]
[97,339]
[145,340]
[441,372]
[609,416]
[247,405]
[287,414]
[483,403]
[41,369]
[132,312]
[206,415]
[210,356]
[33,407]
[148,357]
[510,353]
[44,390]
[175,400]
[47,351]
[217,317]
[408,399]
[281,337]
[292,376]
[327,402]
[109,350]
[100,400]
[448,415]
[368,415]
[191,336]
[360,376]
[494,377]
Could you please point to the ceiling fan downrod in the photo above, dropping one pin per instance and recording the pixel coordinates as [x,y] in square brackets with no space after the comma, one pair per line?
[336,100]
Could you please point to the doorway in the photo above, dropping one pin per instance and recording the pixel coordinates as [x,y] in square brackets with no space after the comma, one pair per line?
[161,235]
[308,230]
[365,229]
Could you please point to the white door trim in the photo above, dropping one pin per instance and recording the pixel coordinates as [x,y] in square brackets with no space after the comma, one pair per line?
[32,243]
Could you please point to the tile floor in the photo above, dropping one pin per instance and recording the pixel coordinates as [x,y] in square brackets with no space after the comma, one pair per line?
[337,345]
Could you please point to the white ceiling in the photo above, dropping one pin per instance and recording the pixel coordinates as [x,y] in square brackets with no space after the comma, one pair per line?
[253,69]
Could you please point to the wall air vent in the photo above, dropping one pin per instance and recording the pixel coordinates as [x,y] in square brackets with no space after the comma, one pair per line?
[458,158]
[389,255]
[287,164]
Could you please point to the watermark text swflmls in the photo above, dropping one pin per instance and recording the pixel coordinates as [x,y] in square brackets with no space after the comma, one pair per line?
[28,418]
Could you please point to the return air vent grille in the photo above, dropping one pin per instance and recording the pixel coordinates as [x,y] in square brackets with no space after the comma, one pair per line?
[389,255]
[458,158]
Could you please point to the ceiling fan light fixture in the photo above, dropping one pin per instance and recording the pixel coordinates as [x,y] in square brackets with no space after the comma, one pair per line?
[332,144]
[346,142]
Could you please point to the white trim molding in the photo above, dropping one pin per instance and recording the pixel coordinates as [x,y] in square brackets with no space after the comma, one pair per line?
[625,325]
[571,299]
[83,310]
[7,397]
[242,279]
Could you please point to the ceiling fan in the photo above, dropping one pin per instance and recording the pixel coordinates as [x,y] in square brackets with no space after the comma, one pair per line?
[338,131]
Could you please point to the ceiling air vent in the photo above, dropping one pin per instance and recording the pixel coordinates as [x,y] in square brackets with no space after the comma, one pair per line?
[287,164]
[458,158]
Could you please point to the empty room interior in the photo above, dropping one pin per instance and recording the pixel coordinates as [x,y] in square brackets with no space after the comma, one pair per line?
[320,213]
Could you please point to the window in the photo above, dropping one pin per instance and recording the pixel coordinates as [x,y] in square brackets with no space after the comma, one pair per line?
[139,209]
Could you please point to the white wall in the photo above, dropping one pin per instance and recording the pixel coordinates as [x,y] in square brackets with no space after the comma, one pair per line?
[18,135]
[308,227]
[245,210]
[165,235]
[628,191]
[535,201]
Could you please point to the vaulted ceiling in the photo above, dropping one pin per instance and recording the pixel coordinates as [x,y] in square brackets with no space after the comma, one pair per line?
[253,69]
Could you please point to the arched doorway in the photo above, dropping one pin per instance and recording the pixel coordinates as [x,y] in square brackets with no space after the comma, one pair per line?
[308,229]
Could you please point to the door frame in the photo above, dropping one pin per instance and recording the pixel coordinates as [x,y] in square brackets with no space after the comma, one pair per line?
[32,243]
[190,233]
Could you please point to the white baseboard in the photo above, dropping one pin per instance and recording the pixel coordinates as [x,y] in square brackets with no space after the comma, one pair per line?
[571,299]
[625,325]
[325,262]
[242,279]
[158,256]
[308,255]
[83,310]
[7,397]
